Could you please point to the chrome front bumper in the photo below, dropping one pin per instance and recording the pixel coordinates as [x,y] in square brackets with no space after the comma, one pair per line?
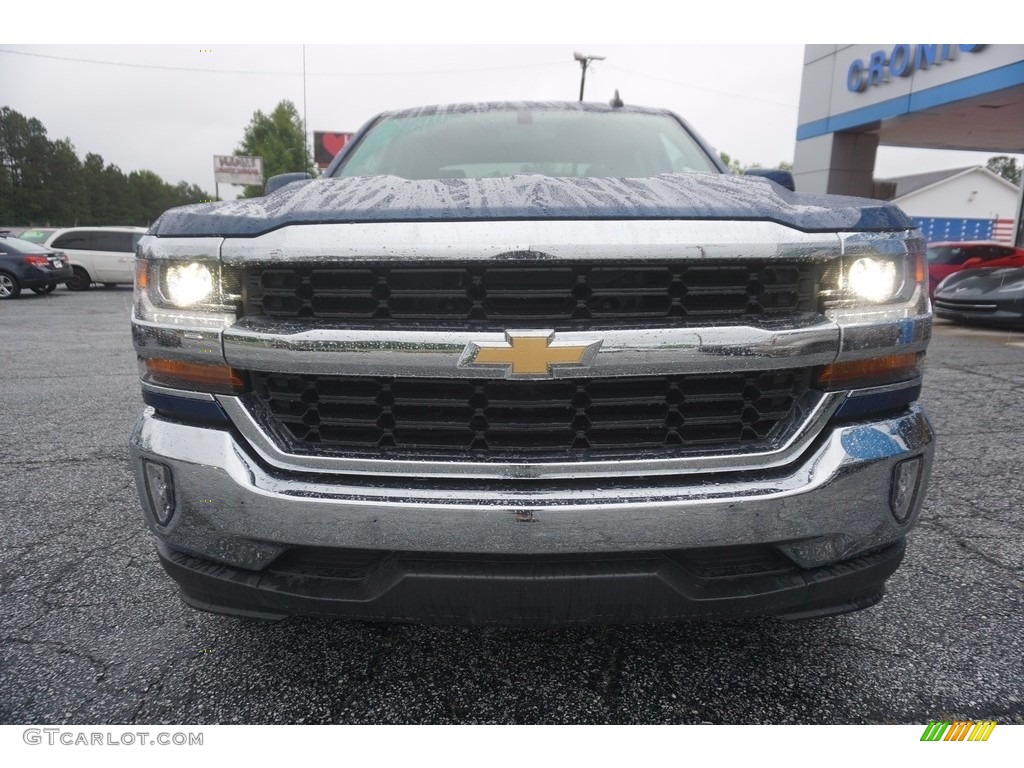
[829,504]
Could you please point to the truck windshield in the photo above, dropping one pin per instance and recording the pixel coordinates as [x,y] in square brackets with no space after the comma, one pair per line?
[504,142]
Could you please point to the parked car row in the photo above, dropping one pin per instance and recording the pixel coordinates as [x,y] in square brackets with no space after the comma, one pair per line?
[90,254]
[945,259]
[24,264]
[977,282]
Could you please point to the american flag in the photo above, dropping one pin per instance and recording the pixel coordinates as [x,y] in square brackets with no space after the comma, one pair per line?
[1002,230]
[937,230]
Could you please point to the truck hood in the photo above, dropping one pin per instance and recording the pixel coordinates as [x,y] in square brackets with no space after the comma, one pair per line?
[666,196]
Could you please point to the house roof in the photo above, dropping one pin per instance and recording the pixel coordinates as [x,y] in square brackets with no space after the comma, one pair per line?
[900,186]
[904,185]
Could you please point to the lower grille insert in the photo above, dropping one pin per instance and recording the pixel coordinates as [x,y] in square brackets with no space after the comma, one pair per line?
[502,418]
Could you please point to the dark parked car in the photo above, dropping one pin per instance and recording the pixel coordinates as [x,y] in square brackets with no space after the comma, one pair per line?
[945,259]
[983,296]
[28,265]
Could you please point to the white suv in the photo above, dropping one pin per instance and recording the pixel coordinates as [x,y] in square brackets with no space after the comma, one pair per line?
[98,254]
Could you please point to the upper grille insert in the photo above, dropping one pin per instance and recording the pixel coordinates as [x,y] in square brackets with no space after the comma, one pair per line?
[558,294]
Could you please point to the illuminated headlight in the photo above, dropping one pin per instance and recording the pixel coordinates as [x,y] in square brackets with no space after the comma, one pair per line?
[197,293]
[188,284]
[875,280]
[876,270]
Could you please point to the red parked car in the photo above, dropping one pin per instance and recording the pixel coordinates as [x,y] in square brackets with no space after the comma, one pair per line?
[946,258]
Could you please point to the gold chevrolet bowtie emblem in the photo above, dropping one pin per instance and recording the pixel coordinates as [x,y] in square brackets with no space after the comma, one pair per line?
[529,353]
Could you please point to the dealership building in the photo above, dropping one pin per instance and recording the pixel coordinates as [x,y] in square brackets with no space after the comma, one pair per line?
[855,98]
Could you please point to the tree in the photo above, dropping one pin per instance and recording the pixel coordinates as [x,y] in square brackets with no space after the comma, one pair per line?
[69,204]
[279,138]
[735,166]
[184,193]
[150,193]
[95,183]
[24,150]
[43,183]
[1006,167]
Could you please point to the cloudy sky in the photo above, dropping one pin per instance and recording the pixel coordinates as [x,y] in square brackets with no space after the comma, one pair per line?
[170,107]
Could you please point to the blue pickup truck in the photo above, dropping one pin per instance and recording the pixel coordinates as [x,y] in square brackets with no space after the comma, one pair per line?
[531,364]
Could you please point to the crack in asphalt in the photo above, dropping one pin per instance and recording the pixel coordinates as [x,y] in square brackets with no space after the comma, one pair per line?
[965,544]
[64,649]
[984,372]
[48,463]
[155,684]
[46,587]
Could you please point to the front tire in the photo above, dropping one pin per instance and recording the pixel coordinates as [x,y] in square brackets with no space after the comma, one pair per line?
[9,286]
[80,281]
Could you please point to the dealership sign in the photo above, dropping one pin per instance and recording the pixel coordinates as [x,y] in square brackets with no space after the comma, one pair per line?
[901,61]
[233,169]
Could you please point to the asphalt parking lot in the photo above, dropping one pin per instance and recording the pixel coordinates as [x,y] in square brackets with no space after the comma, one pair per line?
[92,631]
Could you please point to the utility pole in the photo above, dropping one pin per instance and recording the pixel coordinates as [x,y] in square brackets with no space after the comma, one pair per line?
[1018,236]
[305,125]
[584,63]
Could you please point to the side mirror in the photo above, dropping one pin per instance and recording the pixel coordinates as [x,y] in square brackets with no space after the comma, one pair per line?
[972,263]
[274,183]
[782,178]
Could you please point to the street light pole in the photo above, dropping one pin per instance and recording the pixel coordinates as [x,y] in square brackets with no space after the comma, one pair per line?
[584,63]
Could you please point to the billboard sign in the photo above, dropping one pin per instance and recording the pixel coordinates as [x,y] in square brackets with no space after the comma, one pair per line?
[326,144]
[232,169]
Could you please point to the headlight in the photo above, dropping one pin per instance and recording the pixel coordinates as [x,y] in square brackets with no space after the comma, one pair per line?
[194,292]
[876,280]
[876,270]
[184,299]
[188,284]
[195,284]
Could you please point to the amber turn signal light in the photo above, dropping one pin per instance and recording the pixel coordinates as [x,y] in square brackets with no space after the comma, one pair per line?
[873,371]
[141,274]
[175,373]
[920,268]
